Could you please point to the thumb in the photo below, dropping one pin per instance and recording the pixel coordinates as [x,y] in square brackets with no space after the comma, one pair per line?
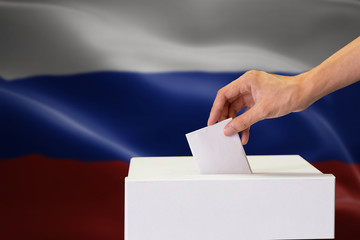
[242,122]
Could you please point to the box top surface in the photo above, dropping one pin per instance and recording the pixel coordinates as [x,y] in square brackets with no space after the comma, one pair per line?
[184,168]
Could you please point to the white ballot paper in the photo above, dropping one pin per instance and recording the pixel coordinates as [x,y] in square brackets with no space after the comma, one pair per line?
[216,153]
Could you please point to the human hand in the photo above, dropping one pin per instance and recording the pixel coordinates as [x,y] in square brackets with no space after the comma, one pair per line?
[264,95]
[269,95]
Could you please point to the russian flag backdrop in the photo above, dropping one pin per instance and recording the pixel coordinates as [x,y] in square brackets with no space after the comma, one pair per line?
[85,85]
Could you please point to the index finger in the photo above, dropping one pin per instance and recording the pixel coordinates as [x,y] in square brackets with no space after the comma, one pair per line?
[223,96]
[216,109]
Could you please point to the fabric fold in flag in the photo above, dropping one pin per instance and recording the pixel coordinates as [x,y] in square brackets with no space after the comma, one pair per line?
[87,85]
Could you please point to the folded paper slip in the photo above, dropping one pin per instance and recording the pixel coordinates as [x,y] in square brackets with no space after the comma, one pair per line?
[216,153]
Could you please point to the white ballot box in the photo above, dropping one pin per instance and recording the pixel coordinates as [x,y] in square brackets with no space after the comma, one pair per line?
[285,198]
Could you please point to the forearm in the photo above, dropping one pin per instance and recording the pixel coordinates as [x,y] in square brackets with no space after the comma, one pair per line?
[270,95]
[336,72]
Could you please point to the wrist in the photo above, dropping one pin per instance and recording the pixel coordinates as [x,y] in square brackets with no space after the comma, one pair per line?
[304,89]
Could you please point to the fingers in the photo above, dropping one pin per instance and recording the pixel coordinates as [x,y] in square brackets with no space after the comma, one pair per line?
[225,113]
[229,110]
[236,106]
[224,98]
[229,94]
[245,136]
[243,122]
[217,108]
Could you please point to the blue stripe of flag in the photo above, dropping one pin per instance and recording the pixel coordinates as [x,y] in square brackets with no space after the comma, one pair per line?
[118,115]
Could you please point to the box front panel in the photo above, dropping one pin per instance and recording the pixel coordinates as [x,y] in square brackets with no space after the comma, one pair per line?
[274,208]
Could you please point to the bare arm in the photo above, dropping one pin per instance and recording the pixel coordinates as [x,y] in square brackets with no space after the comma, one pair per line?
[269,95]
[336,72]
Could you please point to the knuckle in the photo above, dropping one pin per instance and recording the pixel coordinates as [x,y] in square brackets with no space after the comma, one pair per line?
[251,73]
[220,92]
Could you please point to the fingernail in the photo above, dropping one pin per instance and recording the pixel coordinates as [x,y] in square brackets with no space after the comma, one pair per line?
[229,130]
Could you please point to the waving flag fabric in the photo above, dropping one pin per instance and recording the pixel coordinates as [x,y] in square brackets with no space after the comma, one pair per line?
[86,85]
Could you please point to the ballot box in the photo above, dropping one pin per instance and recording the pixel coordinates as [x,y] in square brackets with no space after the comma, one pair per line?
[284,198]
